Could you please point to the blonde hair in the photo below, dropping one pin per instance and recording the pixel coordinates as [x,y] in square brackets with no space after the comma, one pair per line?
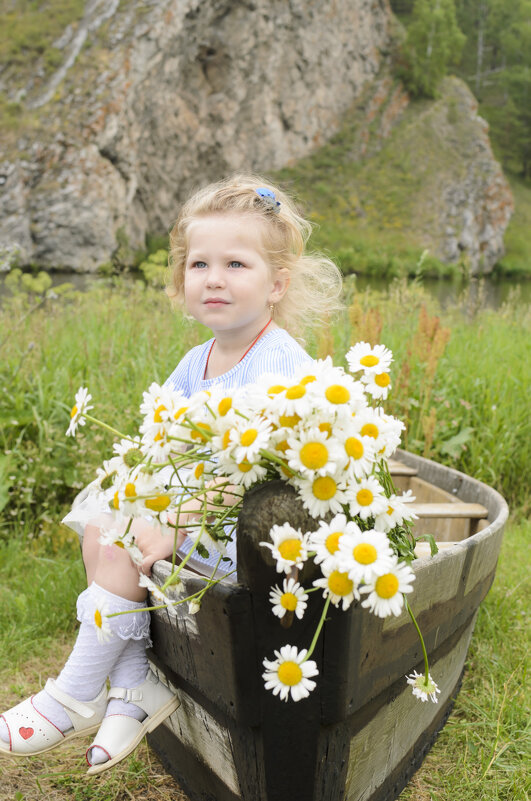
[315,282]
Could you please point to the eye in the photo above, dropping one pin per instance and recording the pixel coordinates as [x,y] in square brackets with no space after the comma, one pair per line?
[199,265]
[235,264]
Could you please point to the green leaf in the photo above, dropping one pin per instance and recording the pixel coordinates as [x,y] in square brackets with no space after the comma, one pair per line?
[453,446]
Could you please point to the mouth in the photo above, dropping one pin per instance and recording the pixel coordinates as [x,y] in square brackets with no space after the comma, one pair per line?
[215,302]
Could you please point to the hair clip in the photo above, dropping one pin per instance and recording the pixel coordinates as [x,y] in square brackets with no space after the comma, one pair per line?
[268,198]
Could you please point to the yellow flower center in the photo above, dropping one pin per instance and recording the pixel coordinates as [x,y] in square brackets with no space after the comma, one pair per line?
[248,437]
[120,545]
[289,601]
[157,417]
[289,420]
[130,490]
[159,436]
[308,379]
[282,446]
[390,510]
[199,434]
[98,620]
[364,497]
[180,412]
[289,673]
[313,455]
[324,488]
[326,428]
[332,541]
[199,470]
[73,412]
[116,501]
[370,360]
[364,553]
[290,549]
[158,504]
[337,394]
[339,583]
[386,586]
[370,430]
[224,405]
[382,379]
[275,389]
[225,440]
[354,448]
[293,393]
[245,466]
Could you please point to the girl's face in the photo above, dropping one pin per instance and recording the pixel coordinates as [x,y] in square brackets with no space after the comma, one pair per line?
[228,284]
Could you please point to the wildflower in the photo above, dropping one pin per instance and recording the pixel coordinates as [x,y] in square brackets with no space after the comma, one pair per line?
[337,583]
[323,494]
[291,598]
[79,409]
[194,606]
[326,539]
[102,624]
[386,591]
[289,547]
[423,688]
[289,674]
[375,359]
[366,553]
[369,499]
[377,385]
[396,512]
[153,589]
[313,453]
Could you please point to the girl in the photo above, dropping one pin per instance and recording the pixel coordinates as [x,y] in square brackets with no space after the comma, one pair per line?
[239,267]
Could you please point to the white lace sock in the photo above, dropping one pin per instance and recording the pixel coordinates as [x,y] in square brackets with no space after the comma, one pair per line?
[129,671]
[91,659]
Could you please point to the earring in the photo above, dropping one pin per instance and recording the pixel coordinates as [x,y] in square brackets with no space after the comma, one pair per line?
[271,309]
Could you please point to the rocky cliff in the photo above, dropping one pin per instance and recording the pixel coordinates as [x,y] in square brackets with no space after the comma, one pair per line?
[174,93]
[153,98]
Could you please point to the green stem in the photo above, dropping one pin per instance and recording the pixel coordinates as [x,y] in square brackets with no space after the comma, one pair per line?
[107,427]
[421,638]
[318,630]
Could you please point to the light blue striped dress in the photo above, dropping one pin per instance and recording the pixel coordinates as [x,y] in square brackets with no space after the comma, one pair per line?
[275,352]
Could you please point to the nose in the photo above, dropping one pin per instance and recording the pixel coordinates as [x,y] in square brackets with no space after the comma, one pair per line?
[215,277]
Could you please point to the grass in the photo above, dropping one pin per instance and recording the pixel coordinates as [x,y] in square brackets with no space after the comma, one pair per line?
[460,383]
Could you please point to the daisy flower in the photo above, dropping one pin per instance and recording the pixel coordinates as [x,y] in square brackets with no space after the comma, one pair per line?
[289,547]
[291,598]
[152,588]
[369,499]
[80,408]
[326,539]
[295,399]
[102,623]
[375,359]
[337,583]
[194,606]
[358,451]
[396,512]
[313,453]
[289,674]
[202,534]
[129,452]
[423,689]
[249,437]
[322,494]
[377,385]
[386,591]
[366,553]
[245,472]
[338,391]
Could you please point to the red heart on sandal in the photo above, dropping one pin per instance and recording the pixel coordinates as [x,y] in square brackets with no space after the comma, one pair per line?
[26,733]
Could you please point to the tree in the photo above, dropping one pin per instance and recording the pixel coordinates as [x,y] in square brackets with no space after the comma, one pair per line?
[433,43]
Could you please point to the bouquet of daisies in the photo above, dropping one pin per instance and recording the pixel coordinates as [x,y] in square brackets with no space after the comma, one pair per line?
[323,432]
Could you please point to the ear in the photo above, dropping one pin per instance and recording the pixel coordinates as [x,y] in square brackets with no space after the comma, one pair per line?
[280,285]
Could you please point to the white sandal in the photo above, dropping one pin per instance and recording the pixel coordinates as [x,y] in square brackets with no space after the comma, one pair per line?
[31,733]
[120,734]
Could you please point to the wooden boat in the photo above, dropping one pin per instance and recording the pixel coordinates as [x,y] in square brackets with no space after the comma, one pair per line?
[361,734]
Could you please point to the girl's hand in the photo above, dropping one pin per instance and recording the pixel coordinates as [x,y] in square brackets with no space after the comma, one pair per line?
[155,545]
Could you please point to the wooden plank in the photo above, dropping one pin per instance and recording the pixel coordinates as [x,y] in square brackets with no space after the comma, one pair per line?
[400,469]
[380,746]
[452,510]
